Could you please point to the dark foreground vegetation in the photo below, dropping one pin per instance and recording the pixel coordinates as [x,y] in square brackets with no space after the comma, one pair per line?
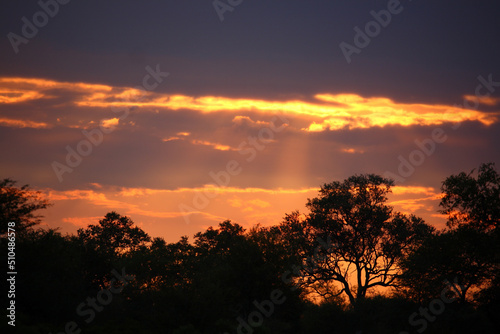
[350,265]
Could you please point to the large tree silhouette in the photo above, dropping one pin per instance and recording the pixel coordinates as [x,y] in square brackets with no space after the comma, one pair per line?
[470,200]
[369,238]
[467,256]
[350,243]
[110,244]
[458,262]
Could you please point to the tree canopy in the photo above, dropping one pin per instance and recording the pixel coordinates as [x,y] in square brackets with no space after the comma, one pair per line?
[114,235]
[352,263]
[19,204]
[473,200]
[369,238]
[467,255]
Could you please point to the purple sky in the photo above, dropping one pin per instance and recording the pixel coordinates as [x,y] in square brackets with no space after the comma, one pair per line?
[267,91]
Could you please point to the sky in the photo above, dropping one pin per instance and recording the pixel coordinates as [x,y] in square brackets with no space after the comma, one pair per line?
[182,114]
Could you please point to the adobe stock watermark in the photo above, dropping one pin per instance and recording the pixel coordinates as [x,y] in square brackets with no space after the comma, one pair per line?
[222,6]
[222,178]
[91,305]
[427,146]
[11,273]
[436,307]
[372,29]
[95,137]
[29,28]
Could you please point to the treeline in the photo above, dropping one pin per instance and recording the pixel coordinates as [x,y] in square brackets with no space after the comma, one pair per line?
[350,265]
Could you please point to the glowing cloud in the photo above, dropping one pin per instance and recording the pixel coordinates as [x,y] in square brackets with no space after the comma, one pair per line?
[16,90]
[402,190]
[215,146]
[18,123]
[359,112]
[352,150]
[328,112]
[486,100]
[110,123]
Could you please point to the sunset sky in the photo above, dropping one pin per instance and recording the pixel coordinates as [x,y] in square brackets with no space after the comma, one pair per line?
[182,114]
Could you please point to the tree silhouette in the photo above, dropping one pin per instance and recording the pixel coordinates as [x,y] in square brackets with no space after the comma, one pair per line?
[473,201]
[18,204]
[55,280]
[108,244]
[457,261]
[350,243]
[369,239]
[115,235]
[467,256]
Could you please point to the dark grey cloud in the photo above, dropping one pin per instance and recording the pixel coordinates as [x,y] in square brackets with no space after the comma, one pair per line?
[431,51]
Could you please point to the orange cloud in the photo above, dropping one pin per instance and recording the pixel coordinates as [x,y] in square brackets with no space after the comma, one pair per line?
[354,111]
[401,190]
[171,138]
[110,123]
[411,205]
[17,95]
[486,100]
[180,136]
[352,150]
[18,123]
[15,89]
[81,222]
[410,199]
[216,146]
[342,110]
[103,198]
[248,120]
[159,209]
[328,112]
[133,200]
